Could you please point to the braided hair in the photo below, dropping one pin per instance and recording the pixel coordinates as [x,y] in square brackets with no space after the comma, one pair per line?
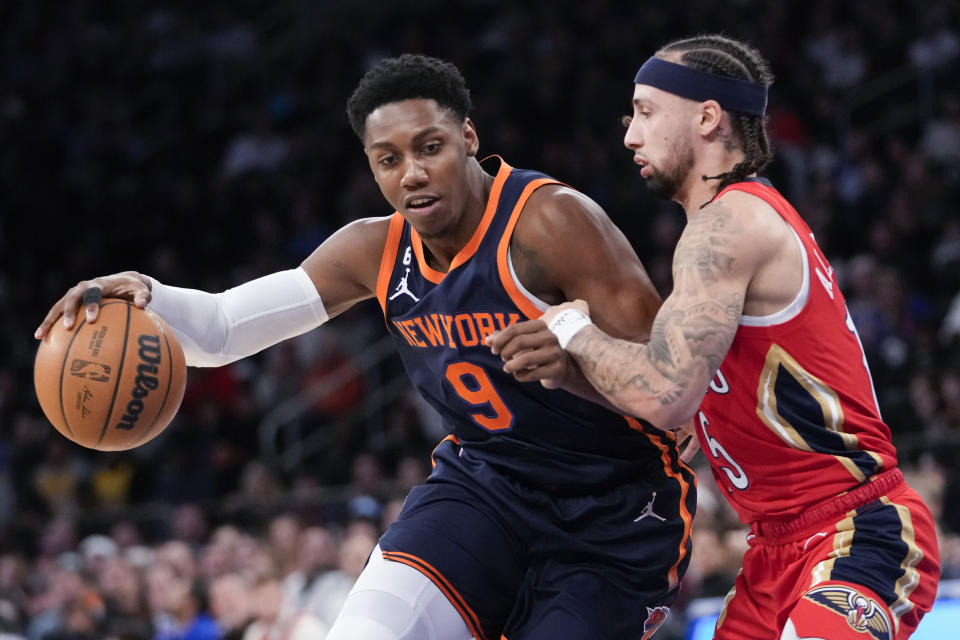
[730,58]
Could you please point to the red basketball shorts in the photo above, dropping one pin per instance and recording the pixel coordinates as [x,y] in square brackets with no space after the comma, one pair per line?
[863,566]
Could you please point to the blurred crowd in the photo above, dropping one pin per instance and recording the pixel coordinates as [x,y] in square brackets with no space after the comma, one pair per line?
[206,144]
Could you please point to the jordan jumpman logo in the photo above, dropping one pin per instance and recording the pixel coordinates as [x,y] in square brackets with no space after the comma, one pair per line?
[402,288]
[648,510]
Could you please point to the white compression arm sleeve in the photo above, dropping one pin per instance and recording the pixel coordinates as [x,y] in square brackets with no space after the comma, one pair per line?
[218,328]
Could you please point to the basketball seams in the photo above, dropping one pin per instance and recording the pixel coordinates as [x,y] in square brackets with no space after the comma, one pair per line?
[63,369]
[116,386]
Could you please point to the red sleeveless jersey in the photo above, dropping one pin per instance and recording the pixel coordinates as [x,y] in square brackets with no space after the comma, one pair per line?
[791,417]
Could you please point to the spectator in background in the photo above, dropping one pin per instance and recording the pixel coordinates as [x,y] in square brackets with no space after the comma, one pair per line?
[190,525]
[284,540]
[67,604]
[314,586]
[351,558]
[179,556]
[81,622]
[274,621]
[231,605]
[179,606]
[124,596]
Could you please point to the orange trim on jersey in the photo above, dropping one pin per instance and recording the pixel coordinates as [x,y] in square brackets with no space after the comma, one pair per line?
[388,259]
[523,302]
[451,594]
[452,437]
[436,277]
[684,489]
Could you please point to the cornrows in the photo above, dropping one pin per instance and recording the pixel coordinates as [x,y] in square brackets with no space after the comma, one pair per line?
[733,59]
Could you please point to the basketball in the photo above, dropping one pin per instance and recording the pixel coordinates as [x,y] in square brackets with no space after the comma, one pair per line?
[114,384]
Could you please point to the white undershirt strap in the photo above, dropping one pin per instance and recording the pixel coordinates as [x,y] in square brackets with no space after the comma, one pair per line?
[796,305]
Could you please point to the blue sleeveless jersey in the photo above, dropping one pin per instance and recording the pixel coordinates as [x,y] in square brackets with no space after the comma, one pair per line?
[439,322]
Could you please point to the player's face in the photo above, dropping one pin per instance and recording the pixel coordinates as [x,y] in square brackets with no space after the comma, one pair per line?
[418,153]
[660,135]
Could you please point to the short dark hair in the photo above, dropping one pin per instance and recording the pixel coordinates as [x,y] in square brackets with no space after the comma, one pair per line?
[731,58]
[406,77]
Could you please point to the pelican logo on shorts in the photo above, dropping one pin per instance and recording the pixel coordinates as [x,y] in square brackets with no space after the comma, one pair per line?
[861,612]
[655,618]
[90,370]
[145,382]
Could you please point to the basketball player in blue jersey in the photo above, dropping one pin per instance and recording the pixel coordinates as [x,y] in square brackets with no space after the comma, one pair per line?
[546,515]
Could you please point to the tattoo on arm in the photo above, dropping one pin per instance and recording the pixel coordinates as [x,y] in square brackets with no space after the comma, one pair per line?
[693,330]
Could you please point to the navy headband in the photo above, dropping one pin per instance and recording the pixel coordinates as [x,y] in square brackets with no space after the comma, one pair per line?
[741,96]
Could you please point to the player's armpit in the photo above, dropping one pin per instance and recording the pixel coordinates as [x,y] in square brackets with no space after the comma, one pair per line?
[345,267]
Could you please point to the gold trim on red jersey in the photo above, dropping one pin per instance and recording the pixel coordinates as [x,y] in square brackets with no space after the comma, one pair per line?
[821,393]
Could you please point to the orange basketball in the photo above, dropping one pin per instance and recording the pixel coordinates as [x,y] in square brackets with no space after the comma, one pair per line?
[113,384]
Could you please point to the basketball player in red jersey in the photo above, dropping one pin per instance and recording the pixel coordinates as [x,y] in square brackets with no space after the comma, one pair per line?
[756,345]
[545,516]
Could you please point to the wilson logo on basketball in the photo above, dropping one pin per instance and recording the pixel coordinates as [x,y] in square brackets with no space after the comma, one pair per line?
[145,382]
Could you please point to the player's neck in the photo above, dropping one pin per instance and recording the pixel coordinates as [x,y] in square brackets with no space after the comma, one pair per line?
[440,250]
[696,192]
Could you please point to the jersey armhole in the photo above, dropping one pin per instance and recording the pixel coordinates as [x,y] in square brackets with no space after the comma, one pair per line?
[525,301]
[796,305]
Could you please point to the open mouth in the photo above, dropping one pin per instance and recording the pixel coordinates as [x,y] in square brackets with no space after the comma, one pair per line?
[418,204]
[644,166]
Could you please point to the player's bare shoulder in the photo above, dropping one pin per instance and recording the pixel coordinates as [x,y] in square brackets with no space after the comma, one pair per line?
[345,266]
[736,233]
[771,248]
[746,233]
[557,206]
[557,224]
[566,247]
[372,232]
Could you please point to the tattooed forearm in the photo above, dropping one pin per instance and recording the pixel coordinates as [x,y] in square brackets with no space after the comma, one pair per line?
[610,365]
[691,334]
[682,343]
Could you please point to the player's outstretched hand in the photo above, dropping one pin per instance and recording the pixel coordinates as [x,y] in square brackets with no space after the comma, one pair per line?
[128,285]
[530,352]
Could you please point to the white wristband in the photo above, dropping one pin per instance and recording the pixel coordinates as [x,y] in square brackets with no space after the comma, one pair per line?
[567,324]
